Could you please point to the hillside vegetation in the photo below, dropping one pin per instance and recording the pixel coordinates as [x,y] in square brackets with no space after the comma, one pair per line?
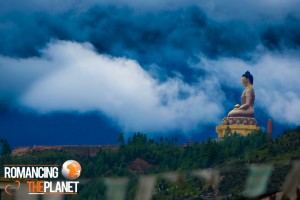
[140,155]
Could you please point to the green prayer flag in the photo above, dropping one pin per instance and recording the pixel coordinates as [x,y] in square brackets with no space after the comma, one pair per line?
[257,180]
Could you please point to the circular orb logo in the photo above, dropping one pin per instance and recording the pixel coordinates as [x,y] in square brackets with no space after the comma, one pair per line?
[71,169]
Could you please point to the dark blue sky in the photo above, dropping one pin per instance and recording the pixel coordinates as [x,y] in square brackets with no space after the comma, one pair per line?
[89,70]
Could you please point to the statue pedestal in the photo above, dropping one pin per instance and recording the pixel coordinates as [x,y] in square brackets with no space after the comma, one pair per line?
[241,129]
[241,125]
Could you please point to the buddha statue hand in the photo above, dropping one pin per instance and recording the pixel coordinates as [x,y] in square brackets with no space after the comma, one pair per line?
[236,106]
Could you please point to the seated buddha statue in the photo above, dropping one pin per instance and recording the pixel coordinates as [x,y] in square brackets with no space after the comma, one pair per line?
[248,97]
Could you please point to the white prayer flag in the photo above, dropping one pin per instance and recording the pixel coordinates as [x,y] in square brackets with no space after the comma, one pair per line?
[145,188]
[174,177]
[292,181]
[211,176]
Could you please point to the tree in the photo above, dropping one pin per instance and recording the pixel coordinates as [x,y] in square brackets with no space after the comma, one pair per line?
[6,150]
[121,139]
[228,131]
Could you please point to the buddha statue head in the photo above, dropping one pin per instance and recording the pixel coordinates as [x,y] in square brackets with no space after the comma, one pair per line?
[247,79]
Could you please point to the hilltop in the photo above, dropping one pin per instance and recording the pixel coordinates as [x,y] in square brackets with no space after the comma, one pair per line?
[141,155]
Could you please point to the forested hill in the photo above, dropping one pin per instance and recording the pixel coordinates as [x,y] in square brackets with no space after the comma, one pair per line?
[141,155]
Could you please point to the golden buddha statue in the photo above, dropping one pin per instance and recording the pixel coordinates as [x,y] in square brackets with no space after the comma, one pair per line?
[248,97]
[241,118]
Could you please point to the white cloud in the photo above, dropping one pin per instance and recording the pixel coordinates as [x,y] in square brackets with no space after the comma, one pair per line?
[18,74]
[76,78]
[71,76]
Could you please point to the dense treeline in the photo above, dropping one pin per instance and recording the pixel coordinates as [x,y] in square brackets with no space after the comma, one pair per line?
[231,156]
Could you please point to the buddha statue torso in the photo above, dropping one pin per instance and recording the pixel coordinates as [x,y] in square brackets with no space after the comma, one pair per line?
[247,107]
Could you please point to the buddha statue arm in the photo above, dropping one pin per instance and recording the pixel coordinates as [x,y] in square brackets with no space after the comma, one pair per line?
[245,106]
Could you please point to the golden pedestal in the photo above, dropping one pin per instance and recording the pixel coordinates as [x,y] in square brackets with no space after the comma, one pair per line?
[241,129]
[241,125]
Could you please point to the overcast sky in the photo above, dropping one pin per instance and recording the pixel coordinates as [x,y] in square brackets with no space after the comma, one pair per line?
[151,66]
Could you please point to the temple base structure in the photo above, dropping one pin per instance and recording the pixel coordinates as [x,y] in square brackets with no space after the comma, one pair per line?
[240,125]
[240,129]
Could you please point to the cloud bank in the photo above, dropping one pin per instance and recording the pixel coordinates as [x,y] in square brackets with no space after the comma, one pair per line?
[151,66]
[169,38]
[79,79]
[71,76]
